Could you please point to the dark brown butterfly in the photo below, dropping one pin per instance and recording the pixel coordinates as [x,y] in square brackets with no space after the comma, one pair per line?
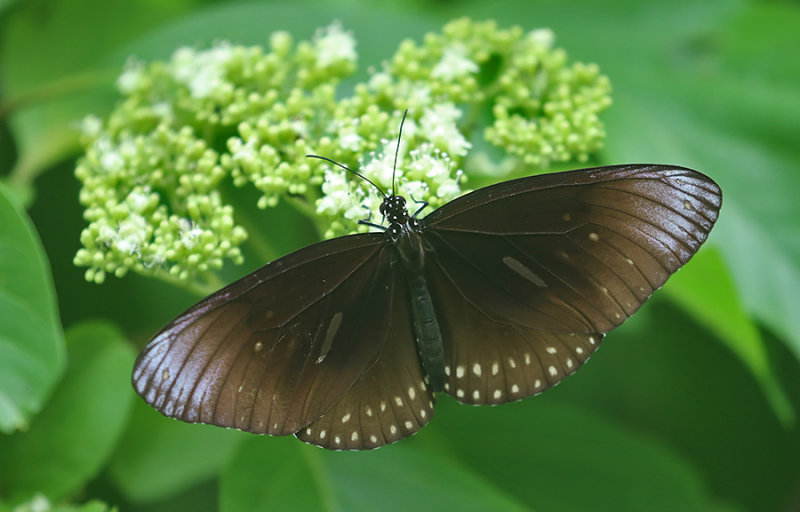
[493,297]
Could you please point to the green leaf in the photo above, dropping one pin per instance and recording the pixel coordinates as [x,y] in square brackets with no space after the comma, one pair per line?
[707,291]
[283,474]
[31,341]
[159,457]
[77,430]
[555,456]
[52,74]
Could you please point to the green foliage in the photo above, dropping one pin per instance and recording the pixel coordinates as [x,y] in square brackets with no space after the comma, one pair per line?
[689,406]
[77,431]
[31,342]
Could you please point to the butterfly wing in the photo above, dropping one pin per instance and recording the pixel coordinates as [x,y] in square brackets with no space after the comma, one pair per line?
[527,275]
[277,349]
[390,400]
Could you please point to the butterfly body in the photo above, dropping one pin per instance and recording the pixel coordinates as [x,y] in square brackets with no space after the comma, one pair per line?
[410,249]
[493,297]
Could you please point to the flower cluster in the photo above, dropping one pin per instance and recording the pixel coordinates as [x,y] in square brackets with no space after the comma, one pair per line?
[153,171]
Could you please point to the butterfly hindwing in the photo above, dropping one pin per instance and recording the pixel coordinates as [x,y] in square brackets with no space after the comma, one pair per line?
[277,349]
[528,275]
[389,401]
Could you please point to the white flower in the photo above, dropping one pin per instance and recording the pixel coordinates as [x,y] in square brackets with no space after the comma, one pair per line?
[349,139]
[131,234]
[109,156]
[336,192]
[91,126]
[542,37]
[163,110]
[438,124]
[139,199]
[131,78]
[189,233]
[454,63]
[333,45]
[379,81]
[380,167]
[202,72]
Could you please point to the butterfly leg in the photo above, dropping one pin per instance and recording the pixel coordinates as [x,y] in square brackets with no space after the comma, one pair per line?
[423,205]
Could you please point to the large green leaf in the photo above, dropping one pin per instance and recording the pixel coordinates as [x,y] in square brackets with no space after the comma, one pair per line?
[706,290]
[159,457]
[31,341]
[284,474]
[72,437]
[53,72]
[559,457]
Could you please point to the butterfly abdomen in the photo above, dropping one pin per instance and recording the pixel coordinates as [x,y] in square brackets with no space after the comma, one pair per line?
[411,255]
[426,329]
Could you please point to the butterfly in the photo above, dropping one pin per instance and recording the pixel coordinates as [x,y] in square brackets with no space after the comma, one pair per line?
[495,296]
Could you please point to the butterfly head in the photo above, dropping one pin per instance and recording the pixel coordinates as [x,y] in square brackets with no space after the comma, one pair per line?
[393,209]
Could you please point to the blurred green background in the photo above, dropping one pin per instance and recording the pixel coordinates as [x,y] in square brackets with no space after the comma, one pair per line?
[690,406]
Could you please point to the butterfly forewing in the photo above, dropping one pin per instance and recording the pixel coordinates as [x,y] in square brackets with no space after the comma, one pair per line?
[275,350]
[389,401]
[539,268]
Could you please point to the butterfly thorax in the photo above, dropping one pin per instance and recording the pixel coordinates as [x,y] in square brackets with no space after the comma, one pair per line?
[404,233]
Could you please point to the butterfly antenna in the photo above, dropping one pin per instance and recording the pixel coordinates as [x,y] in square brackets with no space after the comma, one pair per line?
[397,150]
[350,170]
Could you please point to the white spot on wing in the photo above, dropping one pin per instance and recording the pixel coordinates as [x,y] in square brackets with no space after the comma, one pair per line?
[476,369]
[524,271]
